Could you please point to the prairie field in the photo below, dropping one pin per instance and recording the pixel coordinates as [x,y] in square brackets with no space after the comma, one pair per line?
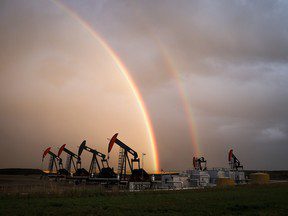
[48,199]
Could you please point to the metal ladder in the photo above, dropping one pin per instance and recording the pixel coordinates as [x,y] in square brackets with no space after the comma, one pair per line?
[120,160]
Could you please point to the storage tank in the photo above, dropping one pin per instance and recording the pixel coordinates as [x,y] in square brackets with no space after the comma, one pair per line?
[237,176]
[180,181]
[259,178]
[216,174]
[225,182]
[199,178]
[240,177]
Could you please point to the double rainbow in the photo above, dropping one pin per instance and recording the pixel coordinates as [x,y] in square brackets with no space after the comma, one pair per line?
[171,68]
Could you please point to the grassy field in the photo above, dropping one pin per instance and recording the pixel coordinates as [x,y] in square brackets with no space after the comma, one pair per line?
[244,200]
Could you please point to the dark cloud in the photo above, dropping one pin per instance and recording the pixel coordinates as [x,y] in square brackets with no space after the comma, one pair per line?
[231,58]
[58,86]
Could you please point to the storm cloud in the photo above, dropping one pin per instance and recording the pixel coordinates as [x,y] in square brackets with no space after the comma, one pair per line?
[231,58]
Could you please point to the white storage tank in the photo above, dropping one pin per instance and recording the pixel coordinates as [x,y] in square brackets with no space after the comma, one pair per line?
[137,186]
[180,181]
[166,181]
[174,181]
[237,176]
[230,174]
[199,178]
[215,174]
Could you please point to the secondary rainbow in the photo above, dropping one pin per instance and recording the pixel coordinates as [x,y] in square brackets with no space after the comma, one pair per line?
[171,67]
[172,70]
[123,69]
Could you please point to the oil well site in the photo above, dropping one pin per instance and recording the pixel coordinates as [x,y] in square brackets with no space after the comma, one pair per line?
[65,171]
[132,107]
[66,187]
[65,166]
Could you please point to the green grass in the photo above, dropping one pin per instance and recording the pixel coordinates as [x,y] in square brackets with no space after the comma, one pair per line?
[248,200]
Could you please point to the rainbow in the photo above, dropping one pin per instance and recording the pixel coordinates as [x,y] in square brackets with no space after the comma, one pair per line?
[172,69]
[123,69]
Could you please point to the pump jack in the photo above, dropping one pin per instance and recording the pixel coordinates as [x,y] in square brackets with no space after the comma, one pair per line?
[197,163]
[233,161]
[70,159]
[136,174]
[105,171]
[54,161]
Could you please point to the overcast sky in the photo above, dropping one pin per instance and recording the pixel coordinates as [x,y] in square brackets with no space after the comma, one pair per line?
[58,85]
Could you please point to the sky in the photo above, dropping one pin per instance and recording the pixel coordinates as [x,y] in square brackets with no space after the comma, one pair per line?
[227,59]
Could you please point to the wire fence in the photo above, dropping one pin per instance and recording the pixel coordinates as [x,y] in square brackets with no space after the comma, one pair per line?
[47,188]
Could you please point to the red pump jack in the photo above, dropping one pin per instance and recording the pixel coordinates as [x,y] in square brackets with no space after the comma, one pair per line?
[70,162]
[199,163]
[138,174]
[234,162]
[54,162]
